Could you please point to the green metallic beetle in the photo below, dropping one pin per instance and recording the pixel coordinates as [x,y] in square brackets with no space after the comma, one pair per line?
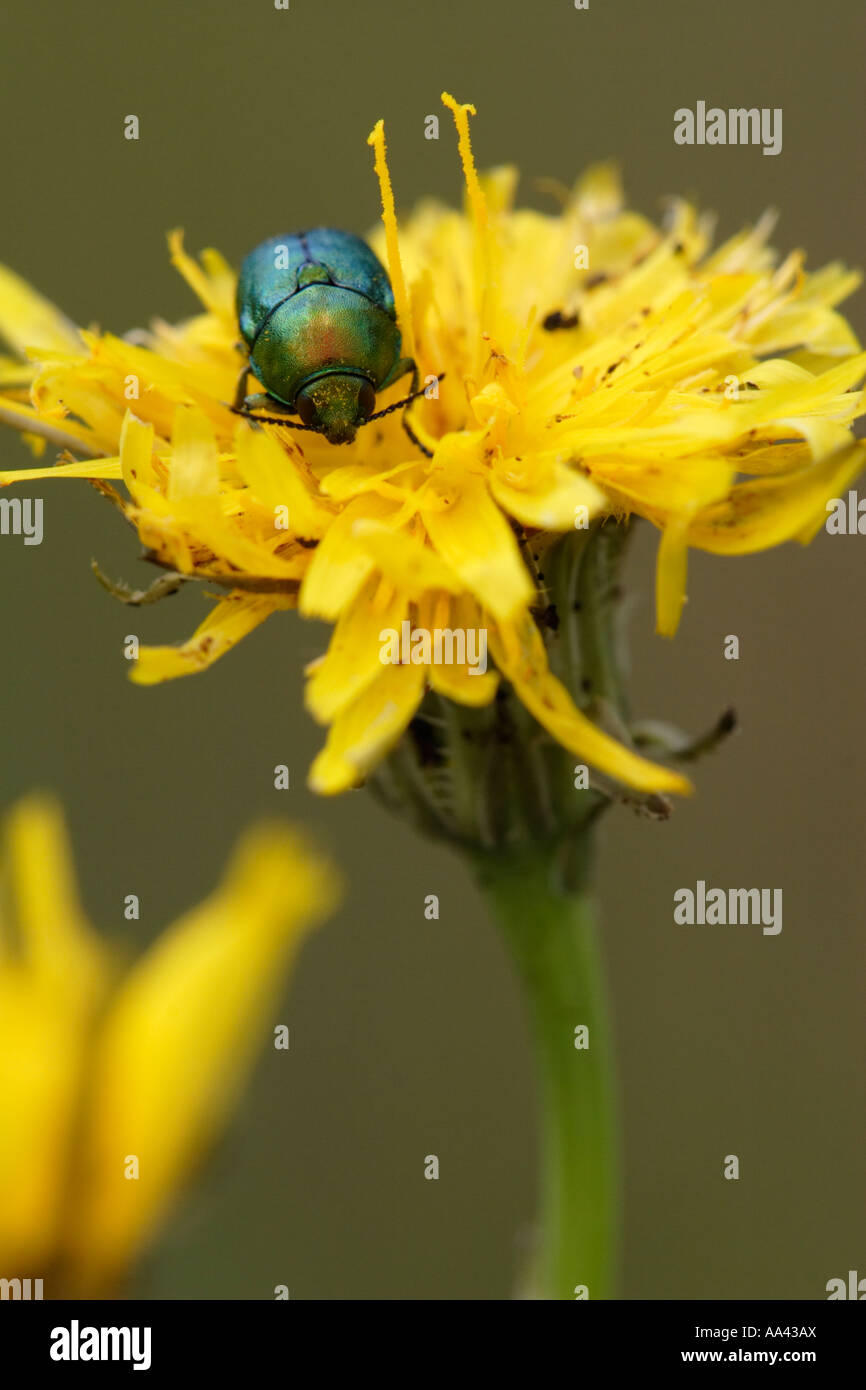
[316,312]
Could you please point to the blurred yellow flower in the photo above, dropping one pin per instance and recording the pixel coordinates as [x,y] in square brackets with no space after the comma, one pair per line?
[595,366]
[105,1072]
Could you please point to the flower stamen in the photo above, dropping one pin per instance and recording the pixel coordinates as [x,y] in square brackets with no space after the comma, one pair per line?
[376,139]
[461,112]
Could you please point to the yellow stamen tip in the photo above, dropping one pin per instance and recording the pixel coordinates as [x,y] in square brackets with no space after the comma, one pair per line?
[461,112]
[454,105]
[376,139]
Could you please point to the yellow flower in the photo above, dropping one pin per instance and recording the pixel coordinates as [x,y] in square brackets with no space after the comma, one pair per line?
[595,366]
[101,1069]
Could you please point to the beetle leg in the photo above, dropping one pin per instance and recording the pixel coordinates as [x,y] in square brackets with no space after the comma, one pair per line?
[400,368]
[262,401]
[241,388]
[249,405]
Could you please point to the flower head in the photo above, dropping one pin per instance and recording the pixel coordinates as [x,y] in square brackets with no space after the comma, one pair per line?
[595,366]
[101,1067]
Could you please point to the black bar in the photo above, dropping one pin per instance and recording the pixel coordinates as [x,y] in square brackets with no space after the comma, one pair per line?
[223,1338]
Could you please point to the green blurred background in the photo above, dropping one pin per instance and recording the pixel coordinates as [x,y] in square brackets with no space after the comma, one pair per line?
[407,1035]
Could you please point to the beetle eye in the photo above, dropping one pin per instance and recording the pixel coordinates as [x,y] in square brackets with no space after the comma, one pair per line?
[366,400]
[306,410]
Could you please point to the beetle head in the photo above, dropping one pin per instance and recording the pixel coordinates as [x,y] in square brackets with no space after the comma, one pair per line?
[336,405]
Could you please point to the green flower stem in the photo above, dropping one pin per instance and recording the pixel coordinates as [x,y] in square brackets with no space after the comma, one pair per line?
[552,936]
[494,783]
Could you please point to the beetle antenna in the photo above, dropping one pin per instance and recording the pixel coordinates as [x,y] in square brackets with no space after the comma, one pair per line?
[428,453]
[398,405]
[269,419]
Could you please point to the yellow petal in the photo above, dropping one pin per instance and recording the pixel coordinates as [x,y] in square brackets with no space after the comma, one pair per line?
[519,654]
[465,685]
[404,560]
[341,563]
[214,285]
[194,468]
[671,573]
[107,469]
[28,320]
[352,660]
[765,512]
[598,192]
[673,483]
[179,1041]
[52,976]
[15,374]
[232,619]
[367,729]
[64,434]
[473,537]
[136,454]
[472,684]
[41,1081]
[552,506]
[55,939]
[274,478]
[831,392]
